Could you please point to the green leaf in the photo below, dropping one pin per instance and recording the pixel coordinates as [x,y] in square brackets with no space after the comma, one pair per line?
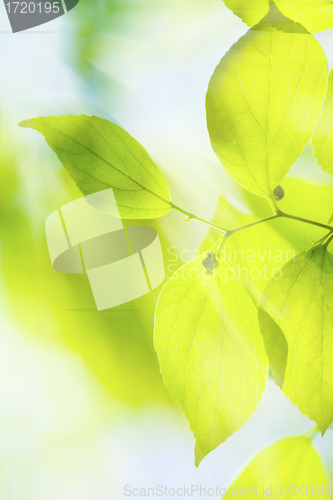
[292,461]
[210,350]
[251,12]
[314,15]
[322,139]
[301,302]
[264,101]
[276,346]
[100,155]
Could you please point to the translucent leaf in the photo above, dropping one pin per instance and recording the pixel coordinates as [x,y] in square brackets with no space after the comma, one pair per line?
[251,12]
[99,155]
[275,344]
[291,463]
[264,101]
[300,301]
[322,139]
[314,15]
[210,350]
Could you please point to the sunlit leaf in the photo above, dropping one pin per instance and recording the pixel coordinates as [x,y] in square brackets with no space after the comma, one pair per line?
[322,139]
[264,101]
[314,15]
[275,344]
[300,301]
[210,350]
[291,463]
[251,12]
[99,155]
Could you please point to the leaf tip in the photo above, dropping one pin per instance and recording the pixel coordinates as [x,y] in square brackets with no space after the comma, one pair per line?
[199,456]
[24,123]
[30,123]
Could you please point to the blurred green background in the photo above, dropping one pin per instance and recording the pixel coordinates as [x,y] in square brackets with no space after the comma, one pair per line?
[83,411]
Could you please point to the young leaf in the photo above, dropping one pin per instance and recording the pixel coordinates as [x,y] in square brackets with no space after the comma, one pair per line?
[251,12]
[291,461]
[100,155]
[314,15]
[322,139]
[210,351]
[301,303]
[276,346]
[264,101]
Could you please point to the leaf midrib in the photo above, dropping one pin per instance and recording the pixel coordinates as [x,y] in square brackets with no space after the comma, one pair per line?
[110,165]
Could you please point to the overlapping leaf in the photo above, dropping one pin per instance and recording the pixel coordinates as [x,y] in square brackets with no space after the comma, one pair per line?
[210,350]
[322,139]
[251,12]
[99,155]
[301,303]
[292,462]
[276,346]
[314,15]
[264,101]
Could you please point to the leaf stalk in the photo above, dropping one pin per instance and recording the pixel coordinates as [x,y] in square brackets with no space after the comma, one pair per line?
[278,214]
